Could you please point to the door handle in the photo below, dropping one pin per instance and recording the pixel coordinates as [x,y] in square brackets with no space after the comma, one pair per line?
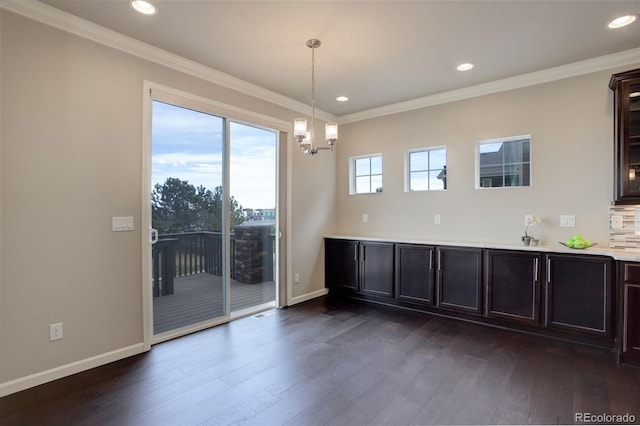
[153,237]
[548,270]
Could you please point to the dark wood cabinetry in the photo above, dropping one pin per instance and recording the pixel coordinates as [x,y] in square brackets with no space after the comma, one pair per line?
[359,267]
[513,285]
[376,268]
[629,335]
[564,295]
[459,277]
[414,273]
[626,87]
[579,293]
[341,264]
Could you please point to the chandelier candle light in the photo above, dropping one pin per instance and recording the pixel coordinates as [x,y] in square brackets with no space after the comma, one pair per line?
[303,135]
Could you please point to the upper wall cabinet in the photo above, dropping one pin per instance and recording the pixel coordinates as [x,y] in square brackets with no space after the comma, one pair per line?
[626,88]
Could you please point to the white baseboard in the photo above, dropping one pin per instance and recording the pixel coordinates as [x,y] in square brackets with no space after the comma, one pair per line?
[32,380]
[17,385]
[308,296]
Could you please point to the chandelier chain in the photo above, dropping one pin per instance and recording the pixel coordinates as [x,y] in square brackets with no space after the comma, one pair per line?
[313,92]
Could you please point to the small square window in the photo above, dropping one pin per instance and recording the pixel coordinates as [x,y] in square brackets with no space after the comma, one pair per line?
[426,169]
[365,174]
[504,162]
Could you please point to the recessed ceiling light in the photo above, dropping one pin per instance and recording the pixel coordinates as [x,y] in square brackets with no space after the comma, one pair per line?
[342,99]
[622,21]
[464,67]
[146,7]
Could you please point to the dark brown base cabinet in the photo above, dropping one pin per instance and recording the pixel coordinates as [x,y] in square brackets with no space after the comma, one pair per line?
[414,273]
[629,335]
[341,264]
[376,268]
[579,293]
[359,267]
[459,278]
[559,295]
[513,285]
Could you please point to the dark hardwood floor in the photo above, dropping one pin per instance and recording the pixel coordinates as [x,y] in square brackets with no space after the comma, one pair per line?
[316,364]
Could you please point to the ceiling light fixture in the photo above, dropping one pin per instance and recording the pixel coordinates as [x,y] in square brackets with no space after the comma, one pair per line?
[342,99]
[464,67]
[622,21]
[146,7]
[303,135]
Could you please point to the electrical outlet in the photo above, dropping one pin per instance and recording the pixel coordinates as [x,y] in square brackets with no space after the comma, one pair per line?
[365,218]
[55,332]
[296,278]
[616,222]
[437,219]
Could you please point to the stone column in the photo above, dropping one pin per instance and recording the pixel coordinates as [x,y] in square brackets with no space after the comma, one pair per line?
[254,255]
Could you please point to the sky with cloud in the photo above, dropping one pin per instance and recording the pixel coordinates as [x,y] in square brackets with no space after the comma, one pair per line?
[188,145]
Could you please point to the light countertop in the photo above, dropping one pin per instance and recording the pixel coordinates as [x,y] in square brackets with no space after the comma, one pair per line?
[628,255]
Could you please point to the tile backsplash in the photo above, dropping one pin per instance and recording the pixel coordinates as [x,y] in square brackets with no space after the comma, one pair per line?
[625,237]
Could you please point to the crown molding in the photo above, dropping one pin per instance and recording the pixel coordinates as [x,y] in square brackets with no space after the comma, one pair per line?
[601,63]
[64,21]
[72,24]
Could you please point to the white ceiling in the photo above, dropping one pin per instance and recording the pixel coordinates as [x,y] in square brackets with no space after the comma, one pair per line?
[375,52]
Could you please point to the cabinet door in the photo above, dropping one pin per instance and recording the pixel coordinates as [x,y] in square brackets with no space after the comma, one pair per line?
[579,293]
[376,270]
[627,135]
[414,273]
[631,339]
[630,304]
[513,286]
[341,264]
[460,279]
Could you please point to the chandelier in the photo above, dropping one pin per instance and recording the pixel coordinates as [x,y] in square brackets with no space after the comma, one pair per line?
[303,135]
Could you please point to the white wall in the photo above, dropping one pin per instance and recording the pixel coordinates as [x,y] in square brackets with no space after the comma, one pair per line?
[571,127]
[71,128]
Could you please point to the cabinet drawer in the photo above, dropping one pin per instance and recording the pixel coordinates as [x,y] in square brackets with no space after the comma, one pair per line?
[632,273]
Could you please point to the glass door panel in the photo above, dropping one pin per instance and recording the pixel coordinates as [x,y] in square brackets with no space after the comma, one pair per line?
[187,209]
[252,184]
[634,137]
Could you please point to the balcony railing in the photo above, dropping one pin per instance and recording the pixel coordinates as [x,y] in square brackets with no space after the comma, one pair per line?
[181,254]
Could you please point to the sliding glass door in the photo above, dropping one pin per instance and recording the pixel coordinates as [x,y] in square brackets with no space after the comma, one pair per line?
[187,213]
[253,216]
[211,208]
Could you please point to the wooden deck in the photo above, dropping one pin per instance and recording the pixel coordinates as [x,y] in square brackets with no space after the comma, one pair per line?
[198,298]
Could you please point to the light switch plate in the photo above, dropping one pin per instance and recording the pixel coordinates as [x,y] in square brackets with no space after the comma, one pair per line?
[119,224]
[568,221]
[528,218]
